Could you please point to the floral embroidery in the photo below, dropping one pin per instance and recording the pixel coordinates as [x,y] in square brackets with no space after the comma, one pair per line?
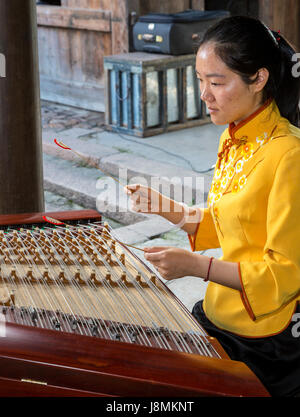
[232,154]
[225,171]
[231,172]
[262,139]
[239,166]
[242,181]
[224,182]
[217,197]
[247,151]
[226,149]
[228,166]
[235,187]
[218,174]
[216,186]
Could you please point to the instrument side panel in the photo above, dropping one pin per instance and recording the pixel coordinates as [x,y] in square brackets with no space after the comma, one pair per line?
[116,368]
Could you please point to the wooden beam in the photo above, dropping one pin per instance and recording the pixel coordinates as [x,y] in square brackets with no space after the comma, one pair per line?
[74,18]
[21,176]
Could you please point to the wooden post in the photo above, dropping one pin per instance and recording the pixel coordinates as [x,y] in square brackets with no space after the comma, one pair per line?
[21,176]
[119,26]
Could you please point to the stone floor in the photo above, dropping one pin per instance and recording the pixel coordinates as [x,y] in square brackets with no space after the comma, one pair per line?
[60,117]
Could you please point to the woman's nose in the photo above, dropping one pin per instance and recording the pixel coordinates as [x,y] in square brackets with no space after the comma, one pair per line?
[206,95]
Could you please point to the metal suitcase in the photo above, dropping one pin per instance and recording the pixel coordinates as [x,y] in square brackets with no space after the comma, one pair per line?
[173,34]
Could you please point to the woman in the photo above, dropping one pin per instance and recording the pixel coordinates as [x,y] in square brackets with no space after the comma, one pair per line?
[246,80]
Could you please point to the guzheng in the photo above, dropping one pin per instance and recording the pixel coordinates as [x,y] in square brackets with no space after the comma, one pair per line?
[81,314]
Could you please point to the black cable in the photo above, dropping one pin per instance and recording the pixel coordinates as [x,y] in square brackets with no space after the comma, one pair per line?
[168,153]
[104,129]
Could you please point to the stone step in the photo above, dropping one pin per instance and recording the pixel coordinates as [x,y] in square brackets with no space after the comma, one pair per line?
[84,186]
[174,181]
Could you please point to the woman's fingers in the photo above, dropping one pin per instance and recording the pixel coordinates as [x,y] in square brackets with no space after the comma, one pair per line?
[155,254]
[143,199]
[171,262]
[130,189]
[154,249]
[137,199]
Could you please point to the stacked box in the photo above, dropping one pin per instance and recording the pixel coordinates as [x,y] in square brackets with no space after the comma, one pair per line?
[148,94]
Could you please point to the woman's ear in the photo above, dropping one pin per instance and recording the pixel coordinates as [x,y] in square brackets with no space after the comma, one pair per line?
[261,79]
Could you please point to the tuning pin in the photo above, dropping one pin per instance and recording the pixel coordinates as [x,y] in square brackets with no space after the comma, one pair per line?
[108,277]
[46,273]
[124,277]
[122,258]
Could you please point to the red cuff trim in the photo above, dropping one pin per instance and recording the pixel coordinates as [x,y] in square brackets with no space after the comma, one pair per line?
[192,238]
[244,296]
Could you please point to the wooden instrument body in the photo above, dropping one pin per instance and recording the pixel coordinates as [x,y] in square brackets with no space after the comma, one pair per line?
[46,362]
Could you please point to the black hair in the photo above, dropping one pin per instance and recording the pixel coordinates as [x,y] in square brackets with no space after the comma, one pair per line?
[245,45]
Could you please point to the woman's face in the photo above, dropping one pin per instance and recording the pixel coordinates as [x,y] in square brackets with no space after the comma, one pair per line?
[228,98]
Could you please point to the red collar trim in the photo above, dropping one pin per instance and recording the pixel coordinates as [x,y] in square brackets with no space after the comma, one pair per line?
[234,128]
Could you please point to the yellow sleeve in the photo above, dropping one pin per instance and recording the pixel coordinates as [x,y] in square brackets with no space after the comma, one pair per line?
[273,283]
[205,236]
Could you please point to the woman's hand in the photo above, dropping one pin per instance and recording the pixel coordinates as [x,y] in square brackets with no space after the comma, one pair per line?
[173,262]
[144,199]
[147,200]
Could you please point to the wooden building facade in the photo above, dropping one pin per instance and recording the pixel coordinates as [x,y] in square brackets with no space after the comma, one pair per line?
[75,35]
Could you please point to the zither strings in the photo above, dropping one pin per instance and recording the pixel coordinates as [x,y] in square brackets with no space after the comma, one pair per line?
[80,279]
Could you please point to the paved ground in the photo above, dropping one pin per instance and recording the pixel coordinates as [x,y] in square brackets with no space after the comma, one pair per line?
[180,162]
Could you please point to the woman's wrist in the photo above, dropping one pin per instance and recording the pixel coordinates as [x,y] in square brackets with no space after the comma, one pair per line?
[184,217]
[170,209]
[200,265]
[215,270]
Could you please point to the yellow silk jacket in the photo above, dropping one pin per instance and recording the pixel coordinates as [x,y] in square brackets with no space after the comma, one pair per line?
[253,214]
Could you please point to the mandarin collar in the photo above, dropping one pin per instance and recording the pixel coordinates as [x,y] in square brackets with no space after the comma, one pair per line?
[255,129]
[259,123]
